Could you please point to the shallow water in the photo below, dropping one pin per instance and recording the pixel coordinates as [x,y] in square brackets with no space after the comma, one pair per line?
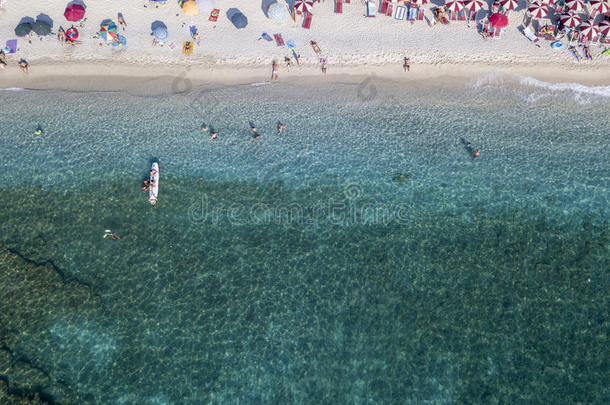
[361,257]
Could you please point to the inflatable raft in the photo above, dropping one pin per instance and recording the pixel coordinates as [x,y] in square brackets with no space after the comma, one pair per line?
[153,184]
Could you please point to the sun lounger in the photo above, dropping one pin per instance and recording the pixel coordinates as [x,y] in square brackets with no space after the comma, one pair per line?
[214,15]
[400,12]
[371,9]
[388,12]
[575,53]
[529,34]
[412,13]
[338,6]
[11,45]
[420,14]
[307,20]
[278,39]
[462,15]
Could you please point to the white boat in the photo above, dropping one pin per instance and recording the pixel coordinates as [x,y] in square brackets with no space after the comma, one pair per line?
[153,184]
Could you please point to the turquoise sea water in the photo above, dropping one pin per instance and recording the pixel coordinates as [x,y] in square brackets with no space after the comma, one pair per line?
[362,257]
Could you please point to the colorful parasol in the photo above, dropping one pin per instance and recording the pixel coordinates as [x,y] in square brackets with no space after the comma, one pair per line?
[190,8]
[303,6]
[74,12]
[474,5]
[454,6]
[604,27]
[498,20]
[575,5]
[72,34]
[588,29]
[601,6]
[538,10]
[570,20]
[508,5]
[419,2]
[108,31]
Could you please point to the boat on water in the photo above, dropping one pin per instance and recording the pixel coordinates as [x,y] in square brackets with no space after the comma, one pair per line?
[153,183]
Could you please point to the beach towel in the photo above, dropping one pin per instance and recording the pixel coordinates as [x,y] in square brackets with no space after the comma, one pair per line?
[338,6]
[171,45]
[266,37]
[214,15]
[575,53]
[420,14]
[371,9]
[187,47]
[278,39]
[307,20]
[412,13]
[11,46]
[290,43]
[400,12]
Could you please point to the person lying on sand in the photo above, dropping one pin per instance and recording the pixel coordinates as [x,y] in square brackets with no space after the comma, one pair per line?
[24,66]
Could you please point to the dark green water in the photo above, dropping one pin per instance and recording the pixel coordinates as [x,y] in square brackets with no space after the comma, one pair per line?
[321,267]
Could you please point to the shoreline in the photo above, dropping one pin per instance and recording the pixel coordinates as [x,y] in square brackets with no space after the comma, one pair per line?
[172,78]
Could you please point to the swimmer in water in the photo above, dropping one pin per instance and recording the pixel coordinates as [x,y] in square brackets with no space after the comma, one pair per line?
[113,235]
[476,153]
[38,130]
[214,135]
[280,128]
[205,128]
[255,133]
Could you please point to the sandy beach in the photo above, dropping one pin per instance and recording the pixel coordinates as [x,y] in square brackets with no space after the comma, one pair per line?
[353,44]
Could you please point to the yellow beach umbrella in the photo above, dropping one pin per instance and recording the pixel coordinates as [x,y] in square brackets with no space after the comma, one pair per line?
[190,8]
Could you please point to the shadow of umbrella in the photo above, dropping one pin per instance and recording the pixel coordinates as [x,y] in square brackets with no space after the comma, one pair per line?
[45,18]
[265,6]
[79,2]
[238,19]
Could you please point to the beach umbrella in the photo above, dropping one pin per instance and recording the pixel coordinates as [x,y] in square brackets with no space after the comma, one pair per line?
[108,30]
[454,5]
[23,29]
[160,33]
[498,20]
[588,29]
[604,27]
[74,12]
[575,5]
[570,20]
[508,5]
[72,34]
[277,13]
[303,6]
[474,5]
[206,6]
[419,2]
[41,27]
[190,8]
[538,10]
[601,6]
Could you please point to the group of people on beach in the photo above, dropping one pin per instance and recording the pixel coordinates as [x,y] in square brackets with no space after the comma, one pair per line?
[23,64]
[255,134]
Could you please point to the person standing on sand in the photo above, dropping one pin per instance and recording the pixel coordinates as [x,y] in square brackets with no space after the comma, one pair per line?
[122,21]
[406,64]
[274,72]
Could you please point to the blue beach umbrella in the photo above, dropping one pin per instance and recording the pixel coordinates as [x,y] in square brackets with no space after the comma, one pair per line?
[159,30]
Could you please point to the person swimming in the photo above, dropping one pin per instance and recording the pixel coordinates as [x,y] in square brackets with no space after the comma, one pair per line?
[280,128]
[214,135]
[38,130]
[474,153]
[255,134]
[204,128]
[112,234]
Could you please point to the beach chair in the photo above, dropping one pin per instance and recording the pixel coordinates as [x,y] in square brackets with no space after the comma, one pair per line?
[389,10]
[420,14]
[412,13]
[278,39]
[371,9]
[462,15]
[400,12]
[307,20]
[338,6]
[214,15]
[530,35]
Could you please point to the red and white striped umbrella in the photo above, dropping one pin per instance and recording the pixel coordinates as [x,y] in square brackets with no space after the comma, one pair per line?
[575,5]
[547,2]
[303,6]
[588,29]
[474,5]
[419,2]
[538,10]
[604,27]
[508,5]
[455,5]
[601,6]
[570,20]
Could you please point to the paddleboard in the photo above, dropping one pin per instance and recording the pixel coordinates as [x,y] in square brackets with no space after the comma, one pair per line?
[153,189]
